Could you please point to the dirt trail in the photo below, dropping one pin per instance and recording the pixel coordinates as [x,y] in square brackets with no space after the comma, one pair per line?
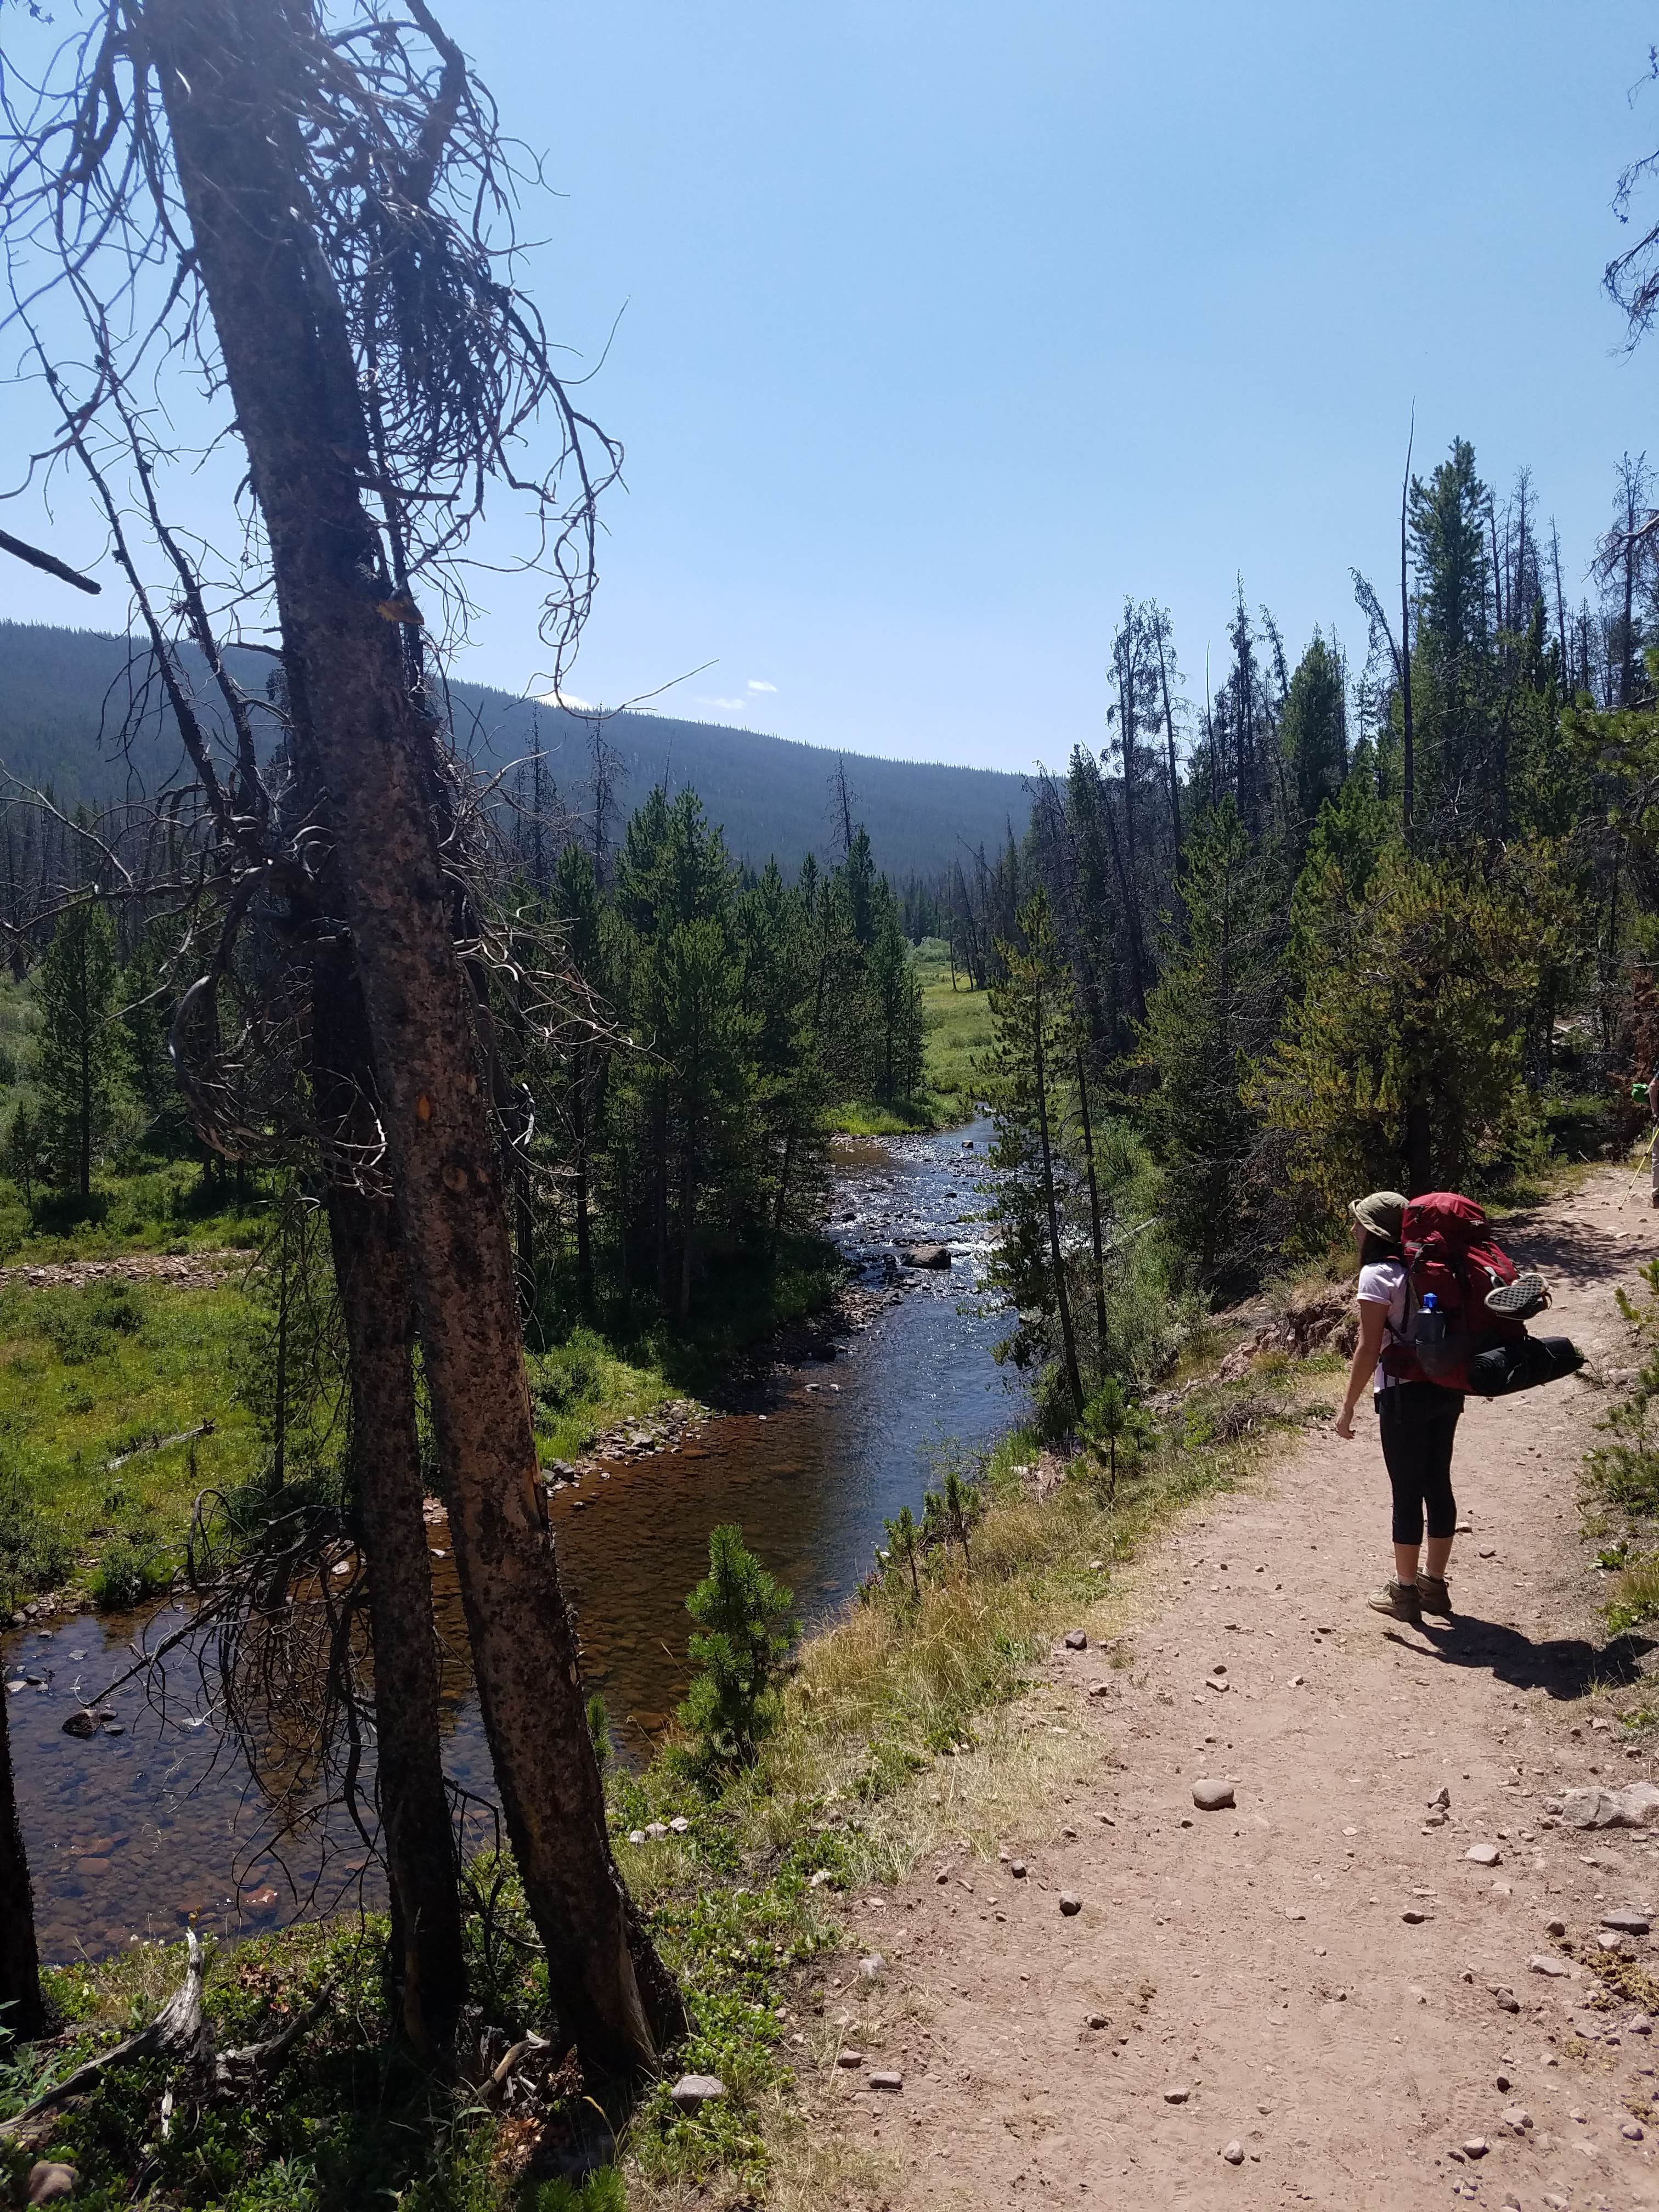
[1259,1960]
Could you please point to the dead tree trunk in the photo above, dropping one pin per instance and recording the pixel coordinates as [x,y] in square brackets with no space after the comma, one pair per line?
[21,2012]
[232,81]
[385,1466]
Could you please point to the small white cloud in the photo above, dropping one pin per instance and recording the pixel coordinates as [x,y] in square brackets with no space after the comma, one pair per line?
[567,699]
[756,684]
[730,706]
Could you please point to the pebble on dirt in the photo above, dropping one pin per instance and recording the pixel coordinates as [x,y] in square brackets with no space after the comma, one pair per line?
[1076,1640]
[850,2059]
[1476,2146]
[693,2091]
[1540,1963]
[873,1968]
[1627,1921]
[50,2179]
[1517,2118]
[891,2082]
[1507,2001]
[1098,2019]
[1211,1796]
[1068,1904]
[1415,1916]
[1176,2093]
[1487,1855]
[1234,2153]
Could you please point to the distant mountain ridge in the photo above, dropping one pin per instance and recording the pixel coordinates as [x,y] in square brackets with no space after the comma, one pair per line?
[59,689]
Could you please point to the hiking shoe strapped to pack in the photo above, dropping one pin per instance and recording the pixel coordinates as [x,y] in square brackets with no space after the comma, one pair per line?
[1527,1295]
[1400,1600]
[1433,1596]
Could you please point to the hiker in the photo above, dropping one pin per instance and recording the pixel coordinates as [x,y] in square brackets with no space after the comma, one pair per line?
[1417,1419]
[1653,1141]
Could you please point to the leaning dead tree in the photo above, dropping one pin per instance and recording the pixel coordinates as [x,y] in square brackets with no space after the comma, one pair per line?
[312,216]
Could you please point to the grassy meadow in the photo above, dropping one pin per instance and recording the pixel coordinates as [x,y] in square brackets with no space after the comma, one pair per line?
[957,1028]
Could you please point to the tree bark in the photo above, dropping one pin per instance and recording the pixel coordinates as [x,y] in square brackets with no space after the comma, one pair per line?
[23,2013]
[386,1465]
[1408,762]
[1094,1215]
[230,76]
[1062,1297]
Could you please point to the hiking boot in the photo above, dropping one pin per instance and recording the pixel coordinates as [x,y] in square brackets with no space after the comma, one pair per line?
[1400,1600]
[1526,1294]
[1433,1596]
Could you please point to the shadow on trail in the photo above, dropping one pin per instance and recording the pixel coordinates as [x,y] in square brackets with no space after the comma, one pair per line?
[1567,1667]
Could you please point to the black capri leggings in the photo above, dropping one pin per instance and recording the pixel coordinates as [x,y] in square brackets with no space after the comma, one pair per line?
[1419,1421]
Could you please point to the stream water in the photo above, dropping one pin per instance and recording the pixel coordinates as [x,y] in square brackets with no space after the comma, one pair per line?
[131,1834]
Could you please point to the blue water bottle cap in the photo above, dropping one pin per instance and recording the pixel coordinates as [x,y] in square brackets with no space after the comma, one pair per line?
[1429,1302]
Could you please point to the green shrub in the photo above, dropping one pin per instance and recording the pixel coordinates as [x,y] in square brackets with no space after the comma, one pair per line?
[570,1376]
[127,1575]
[79,1324]
[33,1554]
[602,2191]
[747,1627]
[1626,1471]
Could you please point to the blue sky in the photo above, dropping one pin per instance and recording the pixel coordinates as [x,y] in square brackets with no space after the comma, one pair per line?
[944,325]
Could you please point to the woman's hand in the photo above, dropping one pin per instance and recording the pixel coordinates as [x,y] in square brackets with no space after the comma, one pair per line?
[1344,1423]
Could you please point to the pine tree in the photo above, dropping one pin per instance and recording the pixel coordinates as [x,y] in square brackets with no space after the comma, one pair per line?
[1025,1071]
[1214,1011]
[1312,732]
[77,1050]
[1401,1065]
[747,1625]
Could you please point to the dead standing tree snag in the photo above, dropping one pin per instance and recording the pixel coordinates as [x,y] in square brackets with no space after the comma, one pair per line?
[299,181]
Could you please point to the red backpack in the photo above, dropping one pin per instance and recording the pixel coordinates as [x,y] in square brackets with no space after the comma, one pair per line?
[1451,1252]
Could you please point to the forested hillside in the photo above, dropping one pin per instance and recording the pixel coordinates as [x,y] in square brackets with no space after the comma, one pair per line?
[65,696]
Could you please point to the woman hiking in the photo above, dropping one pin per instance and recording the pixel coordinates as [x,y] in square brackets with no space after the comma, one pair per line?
[1417,1419]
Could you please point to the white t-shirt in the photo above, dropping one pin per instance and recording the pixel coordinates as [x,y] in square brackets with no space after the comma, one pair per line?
[1384,1283]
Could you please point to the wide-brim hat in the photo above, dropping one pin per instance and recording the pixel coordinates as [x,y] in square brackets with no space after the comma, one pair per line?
[1381,1214]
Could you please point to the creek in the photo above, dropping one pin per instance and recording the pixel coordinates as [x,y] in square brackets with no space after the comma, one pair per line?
[132,1833]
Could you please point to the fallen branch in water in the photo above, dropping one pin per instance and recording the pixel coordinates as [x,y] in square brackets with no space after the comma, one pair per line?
[178,2031]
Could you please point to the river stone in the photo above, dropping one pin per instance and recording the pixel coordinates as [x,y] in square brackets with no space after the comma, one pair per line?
[50,2179]
[1212,1796]
[81,1724]
[925,1255]
[1076,1640]
[1627,1921]
[693,2091]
